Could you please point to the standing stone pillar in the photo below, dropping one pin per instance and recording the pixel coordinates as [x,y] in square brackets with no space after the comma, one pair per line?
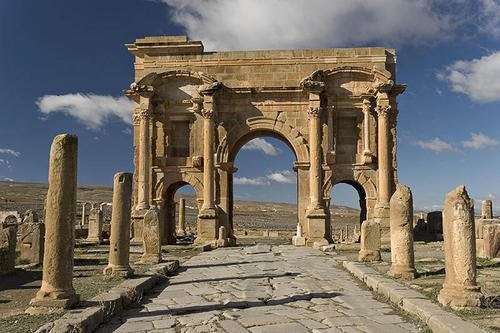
[487,209]
[331,135]
[316,215]
[384,162]
[151,236]
[370,241]
[84,214]
[460,289]
[119,242]
[207,217]
[181,226]
[60,212]
[96,221]
[401,219]
[144,152]
[367,153]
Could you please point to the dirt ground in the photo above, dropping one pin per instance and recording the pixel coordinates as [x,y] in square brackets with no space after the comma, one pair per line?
[17,289]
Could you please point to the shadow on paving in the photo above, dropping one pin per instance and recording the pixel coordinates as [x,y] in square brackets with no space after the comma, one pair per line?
[221,307]
[263,276]
[226,264]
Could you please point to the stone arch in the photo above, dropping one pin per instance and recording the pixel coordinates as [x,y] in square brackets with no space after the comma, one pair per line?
[156,79]
[165,191]
[262,126]
[374,73]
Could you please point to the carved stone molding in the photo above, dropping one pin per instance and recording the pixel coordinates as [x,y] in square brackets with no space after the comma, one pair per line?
[383,110]
[207,114]
[314,112]
[142,90]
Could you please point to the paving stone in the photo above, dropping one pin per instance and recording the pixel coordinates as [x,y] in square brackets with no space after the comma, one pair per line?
[301,290]
[280,328]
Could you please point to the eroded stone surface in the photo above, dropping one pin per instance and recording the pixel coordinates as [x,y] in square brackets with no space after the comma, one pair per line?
[261,289]
[460,289]
[402,256]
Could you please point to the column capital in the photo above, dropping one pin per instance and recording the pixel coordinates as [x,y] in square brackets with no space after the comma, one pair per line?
[367,105]
[314,112]
[383,110]
[207,113]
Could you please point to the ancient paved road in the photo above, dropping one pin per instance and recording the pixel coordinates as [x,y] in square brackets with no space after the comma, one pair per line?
[262,289]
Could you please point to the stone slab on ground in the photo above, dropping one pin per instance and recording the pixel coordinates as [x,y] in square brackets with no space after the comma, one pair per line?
[411,301]
[261,289]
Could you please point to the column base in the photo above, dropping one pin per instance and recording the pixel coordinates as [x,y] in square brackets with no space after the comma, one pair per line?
[402,272]
[55,299]
[316,227]
[150,259]
[459,297]
[180,233]
[136,226]
[298,241]
[370,241]
[118,271]
[94,240]
[382,216]
[207,227]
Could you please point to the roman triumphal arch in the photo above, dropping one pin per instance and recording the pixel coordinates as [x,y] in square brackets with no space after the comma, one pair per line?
[335,108]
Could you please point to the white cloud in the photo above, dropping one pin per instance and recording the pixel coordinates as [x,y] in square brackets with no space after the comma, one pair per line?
[272,24]
[10,152]
[436,145]
[284,177]
[479,79]
[258,181]
[6,179]
[91,110]
[262,145]
[479,141]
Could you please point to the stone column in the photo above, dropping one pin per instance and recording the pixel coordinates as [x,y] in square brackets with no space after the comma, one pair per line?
[119,243]
[316,215]
[84,213]
[144,152]
[367,153]
[460,289]
[370,241]
[181,227]
[331,136]
[151,236]
[207,217]
[402,256]
[487,209]
[222,240]
[60,211]
[384,161]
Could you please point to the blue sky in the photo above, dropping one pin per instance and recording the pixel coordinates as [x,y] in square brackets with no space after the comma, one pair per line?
[64,67]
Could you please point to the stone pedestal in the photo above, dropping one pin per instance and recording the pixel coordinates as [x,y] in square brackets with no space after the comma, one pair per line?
[298,239]
[60,212]
[460,289]
[119,243]
[491,240]
[31,241]
[370,241]
[136,226]
[222,241]
[402,256]
[7,248]
[206,228]
[151,237]
[96,222]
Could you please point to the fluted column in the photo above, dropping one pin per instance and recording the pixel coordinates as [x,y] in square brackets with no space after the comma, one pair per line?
[144,152]
[208,160]
[315,179]
[367,153]
[317,232]
[384,159]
